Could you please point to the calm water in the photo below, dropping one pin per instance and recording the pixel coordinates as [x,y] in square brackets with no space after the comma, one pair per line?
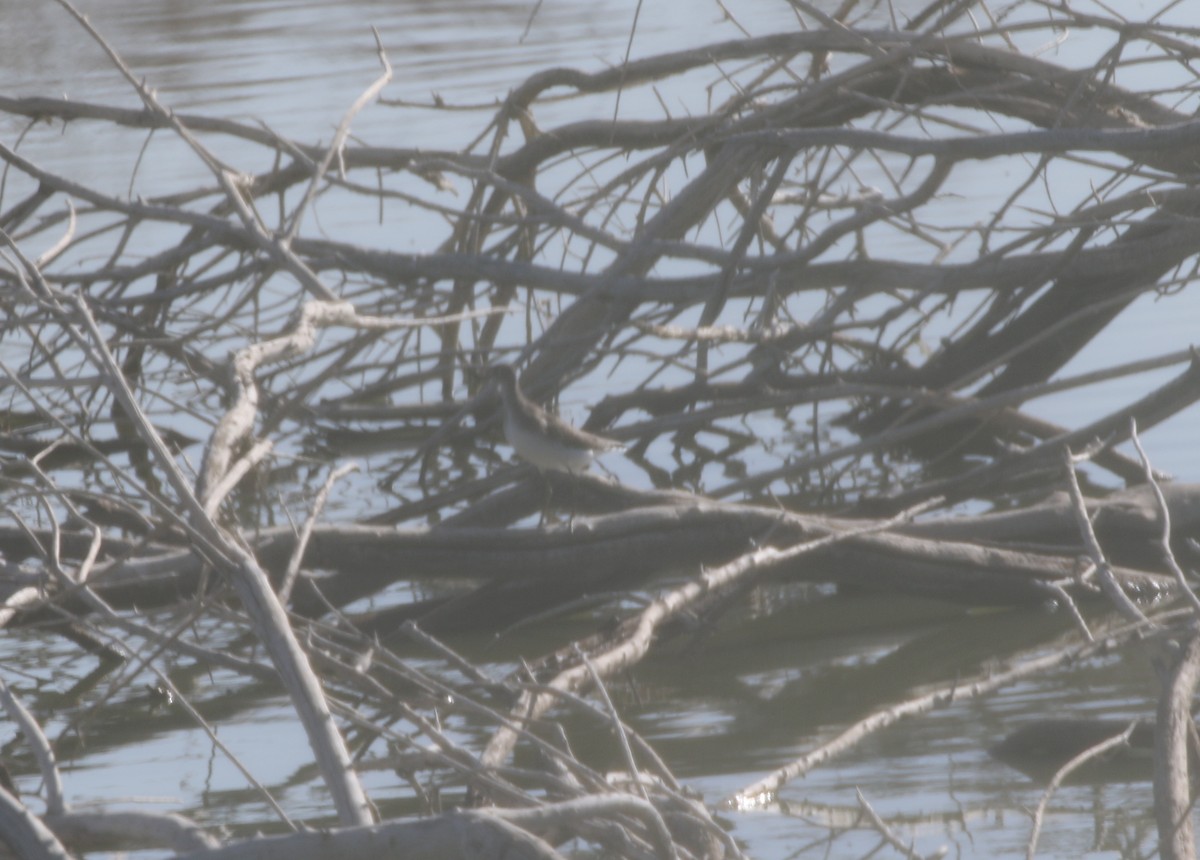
[297,66]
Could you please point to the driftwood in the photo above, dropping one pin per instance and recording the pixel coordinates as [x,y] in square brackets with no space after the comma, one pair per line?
[531,571]
[470,836]
[814,379]
[1176,736]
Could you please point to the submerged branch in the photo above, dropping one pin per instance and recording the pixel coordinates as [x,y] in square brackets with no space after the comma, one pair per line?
[808,298]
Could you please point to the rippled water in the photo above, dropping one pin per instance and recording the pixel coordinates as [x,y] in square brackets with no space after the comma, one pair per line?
[297,66]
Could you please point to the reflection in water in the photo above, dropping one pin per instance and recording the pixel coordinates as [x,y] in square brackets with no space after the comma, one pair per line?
[712,714]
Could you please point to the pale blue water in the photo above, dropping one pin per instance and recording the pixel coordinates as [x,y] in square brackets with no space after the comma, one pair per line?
[297,66]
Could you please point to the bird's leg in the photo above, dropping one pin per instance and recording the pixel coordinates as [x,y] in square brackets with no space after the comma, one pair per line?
[547,495]
[572,507]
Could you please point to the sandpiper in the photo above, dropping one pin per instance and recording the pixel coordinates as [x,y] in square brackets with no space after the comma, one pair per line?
[543,439]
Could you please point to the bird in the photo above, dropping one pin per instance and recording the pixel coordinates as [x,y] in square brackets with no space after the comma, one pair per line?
[539,437]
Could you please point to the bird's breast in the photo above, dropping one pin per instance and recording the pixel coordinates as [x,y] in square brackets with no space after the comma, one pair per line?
[544,451]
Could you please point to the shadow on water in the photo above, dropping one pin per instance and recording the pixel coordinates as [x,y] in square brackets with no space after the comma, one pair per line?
[812,668]
[723,702]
